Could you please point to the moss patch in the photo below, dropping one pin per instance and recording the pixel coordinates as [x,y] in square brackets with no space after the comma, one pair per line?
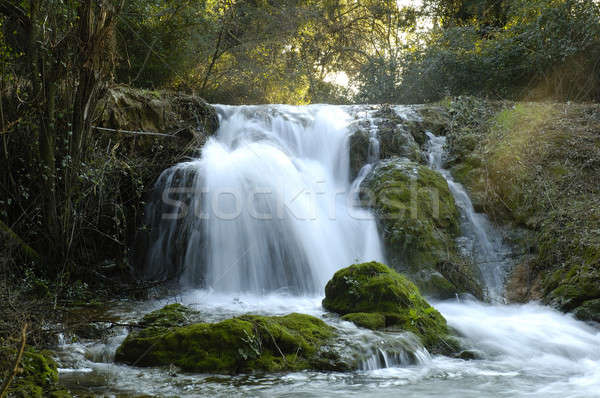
[589,310]
[416,211]
[170,315]
[419,222]
[243,344]
[375,288]
[366,320]
[38,376]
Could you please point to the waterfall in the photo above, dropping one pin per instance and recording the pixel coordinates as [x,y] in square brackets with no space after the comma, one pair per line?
[267,207]
[483,242]
[367,116]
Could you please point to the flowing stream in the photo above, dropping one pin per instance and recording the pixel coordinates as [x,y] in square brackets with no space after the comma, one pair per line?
[264,218]
[480,239]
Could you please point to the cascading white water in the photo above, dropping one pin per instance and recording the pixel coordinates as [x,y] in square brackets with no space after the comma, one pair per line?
[271,203]
[523,350]
[486,245]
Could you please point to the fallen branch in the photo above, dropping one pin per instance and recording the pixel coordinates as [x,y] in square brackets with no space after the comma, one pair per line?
[132,132]
[6,384]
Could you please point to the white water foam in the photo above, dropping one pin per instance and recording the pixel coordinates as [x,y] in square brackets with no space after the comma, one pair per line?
[275,201]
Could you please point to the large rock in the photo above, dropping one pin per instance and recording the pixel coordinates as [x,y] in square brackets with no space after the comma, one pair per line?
[400,131]
[37,376]
[396,135]
[142,133]
[575,289]
[589,311]
[179,117]
[243,344]
[419,222]
[373,296]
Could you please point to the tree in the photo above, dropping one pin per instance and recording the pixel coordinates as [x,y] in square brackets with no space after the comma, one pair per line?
[61,57]
[484,14]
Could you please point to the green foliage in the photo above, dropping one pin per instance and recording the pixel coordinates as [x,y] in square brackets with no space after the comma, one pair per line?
[481,13]
[256,52]
[538,169]
[518,49]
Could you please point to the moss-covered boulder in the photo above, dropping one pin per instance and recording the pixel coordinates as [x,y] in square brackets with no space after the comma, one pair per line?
[37,376]
[589,310]
[419,223]
[243,344]
[169,316]
[370,292]
[367,320]
[574,289]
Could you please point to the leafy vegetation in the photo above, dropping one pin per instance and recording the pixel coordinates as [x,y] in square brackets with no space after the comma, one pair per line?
[519,49]
[77,162]
[535,165]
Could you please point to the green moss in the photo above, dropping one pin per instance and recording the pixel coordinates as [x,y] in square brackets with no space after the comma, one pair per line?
[38,376]
[570,288]
[243,344]
[162,320]
[366,320]
[418,220]
[535,165]
[375,288]
[169,316]
[416,212]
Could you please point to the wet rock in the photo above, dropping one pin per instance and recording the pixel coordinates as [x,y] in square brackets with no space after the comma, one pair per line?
[419,223]
[366,320]
[38,375]
[243,344]
[589,311]
[395,136]
[469,355]
[435,119]
[374,288]
[574,287]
